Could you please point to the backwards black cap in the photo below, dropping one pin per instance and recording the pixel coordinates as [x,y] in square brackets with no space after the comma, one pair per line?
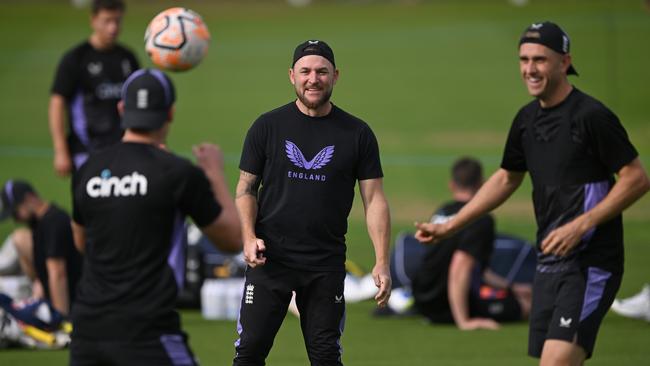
[12,194]
[550,35]
[148,94]
[314,47]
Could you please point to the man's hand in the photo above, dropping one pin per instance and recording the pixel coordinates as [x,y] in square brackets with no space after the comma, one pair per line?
[209,157]
[254,252]
[62,163]
[479,323]
[429,233]
[564,238]
[381,275]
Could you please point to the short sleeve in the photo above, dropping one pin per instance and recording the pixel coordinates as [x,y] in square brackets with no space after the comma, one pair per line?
[369,164]
[609,139]
[253,155]
[197,199]
[66,79]
[477,239]
[57,237]
[514,158]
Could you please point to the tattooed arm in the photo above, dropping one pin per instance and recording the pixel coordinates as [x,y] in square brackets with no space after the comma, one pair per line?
[246,201]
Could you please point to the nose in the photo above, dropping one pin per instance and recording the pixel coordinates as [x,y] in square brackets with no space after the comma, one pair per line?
[312,78]
[529,67]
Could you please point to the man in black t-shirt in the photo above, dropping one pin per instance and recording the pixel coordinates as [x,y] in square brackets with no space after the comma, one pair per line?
[86,89]
[448,286]
[307,156]
[572,145]
[49,255]
[129,206]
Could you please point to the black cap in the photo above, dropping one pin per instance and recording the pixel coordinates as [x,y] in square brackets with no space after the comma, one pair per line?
[148,94]
[13,194]
[314,47]
[550,35]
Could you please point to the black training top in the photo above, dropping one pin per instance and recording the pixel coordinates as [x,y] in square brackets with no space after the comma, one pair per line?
[91,82]
[132,199]
[572,151]
[309,167]
[52,239]
[430,282]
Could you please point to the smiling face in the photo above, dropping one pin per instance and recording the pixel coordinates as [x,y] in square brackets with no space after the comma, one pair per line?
[543,70]
[313,78]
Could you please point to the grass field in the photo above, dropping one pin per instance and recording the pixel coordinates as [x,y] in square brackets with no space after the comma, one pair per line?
[434,79]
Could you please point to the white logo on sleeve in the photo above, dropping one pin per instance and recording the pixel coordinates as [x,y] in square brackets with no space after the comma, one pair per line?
[249,294]
[565,323]
[108,186]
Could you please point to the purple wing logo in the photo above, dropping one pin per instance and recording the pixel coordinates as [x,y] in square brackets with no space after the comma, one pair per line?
[298,159]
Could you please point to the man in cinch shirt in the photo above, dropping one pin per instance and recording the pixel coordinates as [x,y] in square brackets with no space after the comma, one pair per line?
[86,89]
[129,208]
[572,145]
[307,156]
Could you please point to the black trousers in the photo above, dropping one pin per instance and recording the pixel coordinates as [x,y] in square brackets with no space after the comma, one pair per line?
[267,293]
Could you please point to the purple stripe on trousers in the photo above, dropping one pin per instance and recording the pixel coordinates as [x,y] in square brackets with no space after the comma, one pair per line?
[596,281]
[594,193]
[79,121]
[176,349]
[176,258]
[9,189]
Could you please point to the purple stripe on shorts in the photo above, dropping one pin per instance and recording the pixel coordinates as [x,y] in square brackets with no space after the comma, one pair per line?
[79,159]
[176,258]
[79,122]
[594,193]
[161,78]
[341,329]
[596,281]
[176,349]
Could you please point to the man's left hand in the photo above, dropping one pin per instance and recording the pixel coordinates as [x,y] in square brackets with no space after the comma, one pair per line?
[564,238]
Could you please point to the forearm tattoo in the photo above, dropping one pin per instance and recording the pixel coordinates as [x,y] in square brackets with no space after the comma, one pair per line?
[249,185]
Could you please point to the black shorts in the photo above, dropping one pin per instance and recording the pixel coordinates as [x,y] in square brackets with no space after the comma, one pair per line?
[168,350]
[570,306]
[267,293]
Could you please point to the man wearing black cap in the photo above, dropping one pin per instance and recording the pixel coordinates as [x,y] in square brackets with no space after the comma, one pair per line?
[307,156]
[130,202]
[48,255]
[572,145]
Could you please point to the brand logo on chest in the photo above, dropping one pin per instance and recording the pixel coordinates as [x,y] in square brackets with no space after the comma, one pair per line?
[298,159]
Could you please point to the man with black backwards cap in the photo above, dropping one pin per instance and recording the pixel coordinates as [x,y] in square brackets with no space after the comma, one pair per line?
[46,251]
[130,202]
[307,156]
[573,146]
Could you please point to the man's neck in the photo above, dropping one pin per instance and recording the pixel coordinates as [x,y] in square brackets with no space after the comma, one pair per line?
[558,96]
[150,138]
[320,111]
[41,209]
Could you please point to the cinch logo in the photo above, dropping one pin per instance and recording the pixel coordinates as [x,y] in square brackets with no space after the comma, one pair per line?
[106,186]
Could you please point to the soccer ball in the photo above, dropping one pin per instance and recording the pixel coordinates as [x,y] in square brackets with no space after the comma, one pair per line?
[177,39]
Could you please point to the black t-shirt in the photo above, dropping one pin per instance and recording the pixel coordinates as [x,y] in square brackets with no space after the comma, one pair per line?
[132,199]
[91,82]
[52,239]
[572,151]
[309,167]
[430,282]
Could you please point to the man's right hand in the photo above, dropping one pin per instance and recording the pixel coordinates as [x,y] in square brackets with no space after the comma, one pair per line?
[254,252]
[429,233]
[62,163]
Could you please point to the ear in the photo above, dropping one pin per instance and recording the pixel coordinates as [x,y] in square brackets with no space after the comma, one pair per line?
[566,62]
[291,76]
[120,107]
[336,76]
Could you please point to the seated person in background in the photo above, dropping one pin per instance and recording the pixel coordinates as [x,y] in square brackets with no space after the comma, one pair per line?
[448,286]
[48,255]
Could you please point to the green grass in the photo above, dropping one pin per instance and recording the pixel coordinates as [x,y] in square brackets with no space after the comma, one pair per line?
[435,80]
